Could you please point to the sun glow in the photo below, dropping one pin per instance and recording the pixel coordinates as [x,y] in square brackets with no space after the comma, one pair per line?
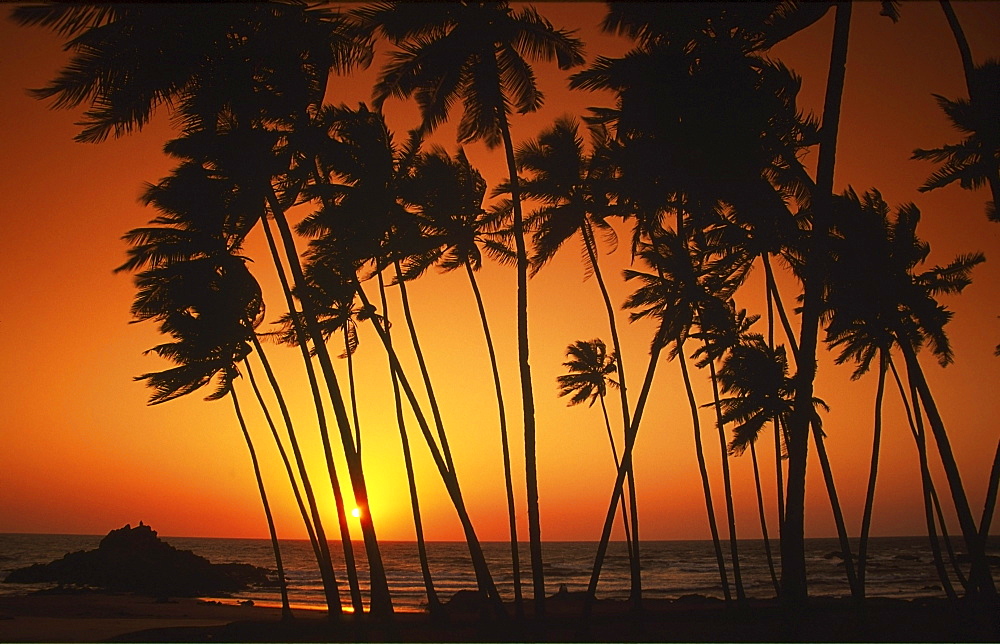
[356,513]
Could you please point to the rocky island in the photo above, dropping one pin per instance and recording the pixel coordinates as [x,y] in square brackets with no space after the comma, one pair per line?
[136,560]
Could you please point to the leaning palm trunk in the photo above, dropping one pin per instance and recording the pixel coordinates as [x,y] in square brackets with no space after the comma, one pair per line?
[505,445]
[727,487]
[424,372]
[303,344]
[991,498]
[979,577]
[838,515]
[794,589]
[927,484]
[773,297]
[284,459]
[635,569]
[326,566]
[434,605]
[933,503]
[623,468]
[286,610]
[866,518]
[484,579]
[381,601]
[703,470]
[614,455]
[763,520]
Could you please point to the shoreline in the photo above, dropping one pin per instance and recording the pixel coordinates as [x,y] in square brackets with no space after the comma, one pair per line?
[92,616]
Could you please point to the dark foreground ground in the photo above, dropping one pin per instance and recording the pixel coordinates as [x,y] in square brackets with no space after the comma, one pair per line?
[126,618]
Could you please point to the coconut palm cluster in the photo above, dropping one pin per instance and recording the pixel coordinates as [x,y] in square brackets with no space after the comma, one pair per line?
[700,160]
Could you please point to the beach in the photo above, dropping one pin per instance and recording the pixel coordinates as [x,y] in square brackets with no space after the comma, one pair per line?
[90,617]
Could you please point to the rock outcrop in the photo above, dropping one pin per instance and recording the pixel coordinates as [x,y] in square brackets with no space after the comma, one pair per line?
[136,560]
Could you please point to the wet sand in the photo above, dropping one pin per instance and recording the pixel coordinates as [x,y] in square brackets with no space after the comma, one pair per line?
[93,617]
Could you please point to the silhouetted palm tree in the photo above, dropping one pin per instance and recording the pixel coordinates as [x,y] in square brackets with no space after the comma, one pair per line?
[905,310]
[590,368]
[476,52]
[447,194]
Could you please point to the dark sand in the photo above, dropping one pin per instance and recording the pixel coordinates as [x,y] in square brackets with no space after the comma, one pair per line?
[94,617]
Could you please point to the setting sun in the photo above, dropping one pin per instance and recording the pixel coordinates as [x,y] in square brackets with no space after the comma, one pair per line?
[356,513]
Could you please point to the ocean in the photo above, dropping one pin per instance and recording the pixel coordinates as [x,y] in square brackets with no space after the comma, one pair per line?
[899,567]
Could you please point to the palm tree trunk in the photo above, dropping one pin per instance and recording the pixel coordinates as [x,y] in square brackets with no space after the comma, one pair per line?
[991,498]
[866,518]
[524,369]
[763,520]
[975,93]
[614,455]
[626,463]
[927,484]
[771,290]
[838,515]
[484,579]
[286,610]
[505,446]
[303,343]
[329,580]
[381,601]
[703,470]
[284,459]
[635,566]
[728,487]
[794,589]
[980,578]
[434,606]
[424,373]
[349,355]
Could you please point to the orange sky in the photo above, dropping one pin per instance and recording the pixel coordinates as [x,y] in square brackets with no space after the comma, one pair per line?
[84,454]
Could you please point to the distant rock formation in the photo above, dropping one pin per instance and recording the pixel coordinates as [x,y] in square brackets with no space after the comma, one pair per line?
[136,560]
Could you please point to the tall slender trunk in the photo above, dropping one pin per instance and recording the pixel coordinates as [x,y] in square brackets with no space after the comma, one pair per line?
[976,94]
[635,567]
[524,369]
[838,515]
[703,470]
[302,340]
[727,486]
[919,435]
[515,555]
[349,355]
[326,568]
[284,459]
[286,610]
[614,455]
[424,372]
[626,463]
[794,589]
[980,578]
[484,579]
[434,606]
[773,297]
[763,521]
[989,505]
[866,518]
[381,601]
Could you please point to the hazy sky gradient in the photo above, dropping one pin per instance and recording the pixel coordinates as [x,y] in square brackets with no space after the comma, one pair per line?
[83,453]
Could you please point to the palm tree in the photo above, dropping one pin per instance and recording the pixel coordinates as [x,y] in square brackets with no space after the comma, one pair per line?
[202,295]
[590,368]
[907,312]
[223,65]
[447,194]
[364,225]
[689,289]
[573,189]
[476,52]
[972,162]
